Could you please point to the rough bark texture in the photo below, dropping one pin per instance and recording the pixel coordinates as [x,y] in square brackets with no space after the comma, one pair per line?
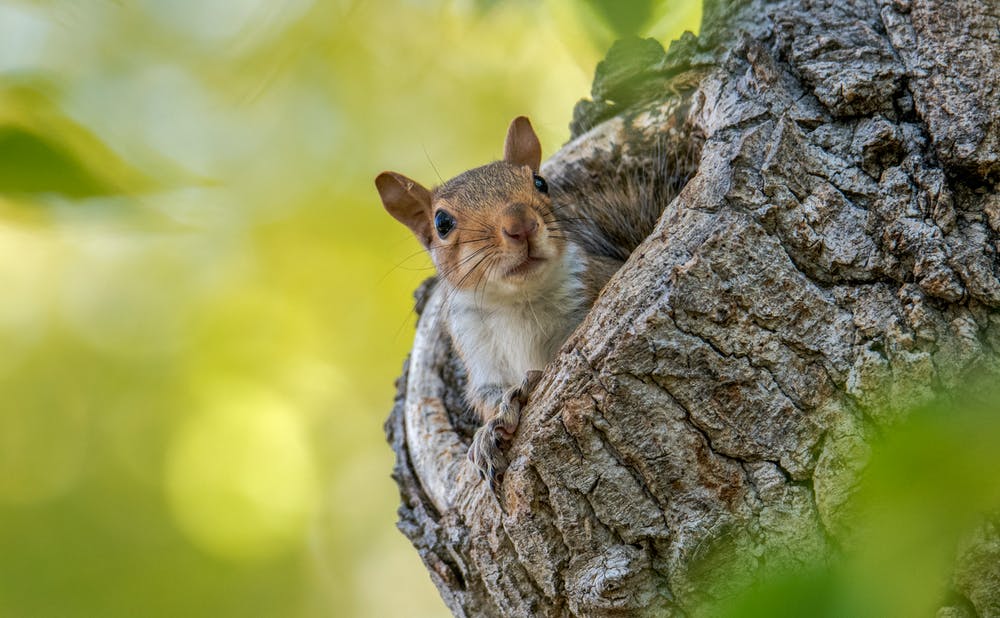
[832,262]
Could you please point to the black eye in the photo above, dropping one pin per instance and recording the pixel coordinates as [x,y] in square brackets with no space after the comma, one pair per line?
[443,223]
[540,184]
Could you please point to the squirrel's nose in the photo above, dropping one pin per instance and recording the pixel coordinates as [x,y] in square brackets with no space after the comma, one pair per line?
[519,227]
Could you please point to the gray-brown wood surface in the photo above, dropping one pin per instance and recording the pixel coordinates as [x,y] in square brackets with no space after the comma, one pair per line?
[831,263]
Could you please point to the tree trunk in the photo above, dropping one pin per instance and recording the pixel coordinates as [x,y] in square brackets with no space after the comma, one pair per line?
[831,263]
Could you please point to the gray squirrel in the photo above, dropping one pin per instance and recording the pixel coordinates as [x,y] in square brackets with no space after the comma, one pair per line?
[519,274]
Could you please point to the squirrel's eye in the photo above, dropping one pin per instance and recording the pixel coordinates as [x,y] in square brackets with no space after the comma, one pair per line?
[443,223]
[540,184]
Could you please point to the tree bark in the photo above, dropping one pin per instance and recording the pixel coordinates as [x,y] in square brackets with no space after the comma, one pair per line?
[831,263]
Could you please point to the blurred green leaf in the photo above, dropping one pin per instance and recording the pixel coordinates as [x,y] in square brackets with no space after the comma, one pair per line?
[42,151]
[625,18]
[31,164]
[931,485]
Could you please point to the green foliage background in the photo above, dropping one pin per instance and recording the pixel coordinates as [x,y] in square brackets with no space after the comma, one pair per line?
[202,304]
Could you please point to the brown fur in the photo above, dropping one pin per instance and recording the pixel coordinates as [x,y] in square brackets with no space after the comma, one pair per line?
[485,201]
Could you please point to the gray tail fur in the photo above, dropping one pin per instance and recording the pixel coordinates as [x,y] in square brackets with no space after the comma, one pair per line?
[610,214]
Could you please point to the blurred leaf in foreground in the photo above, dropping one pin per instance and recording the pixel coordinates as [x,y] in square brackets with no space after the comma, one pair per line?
[921,532]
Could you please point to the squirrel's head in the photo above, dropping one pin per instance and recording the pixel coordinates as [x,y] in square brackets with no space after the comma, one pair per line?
[491,228]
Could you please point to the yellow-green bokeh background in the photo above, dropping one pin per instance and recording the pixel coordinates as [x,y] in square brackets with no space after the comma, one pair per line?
[202,304]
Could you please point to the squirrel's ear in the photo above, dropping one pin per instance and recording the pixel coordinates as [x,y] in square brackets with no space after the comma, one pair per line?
[522,147]
[408,202]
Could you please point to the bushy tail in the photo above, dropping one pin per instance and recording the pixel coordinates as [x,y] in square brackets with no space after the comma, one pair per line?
[610,212]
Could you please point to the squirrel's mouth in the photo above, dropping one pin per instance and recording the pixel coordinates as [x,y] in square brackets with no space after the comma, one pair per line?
[527,266]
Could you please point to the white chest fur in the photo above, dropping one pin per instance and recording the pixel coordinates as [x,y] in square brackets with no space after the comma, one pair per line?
[500,336]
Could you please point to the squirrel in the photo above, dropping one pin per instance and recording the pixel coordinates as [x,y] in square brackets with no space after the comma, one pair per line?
[519,274]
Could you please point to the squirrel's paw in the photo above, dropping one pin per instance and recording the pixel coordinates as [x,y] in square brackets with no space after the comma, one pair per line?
[509,413]
[485,451]
[486,455]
